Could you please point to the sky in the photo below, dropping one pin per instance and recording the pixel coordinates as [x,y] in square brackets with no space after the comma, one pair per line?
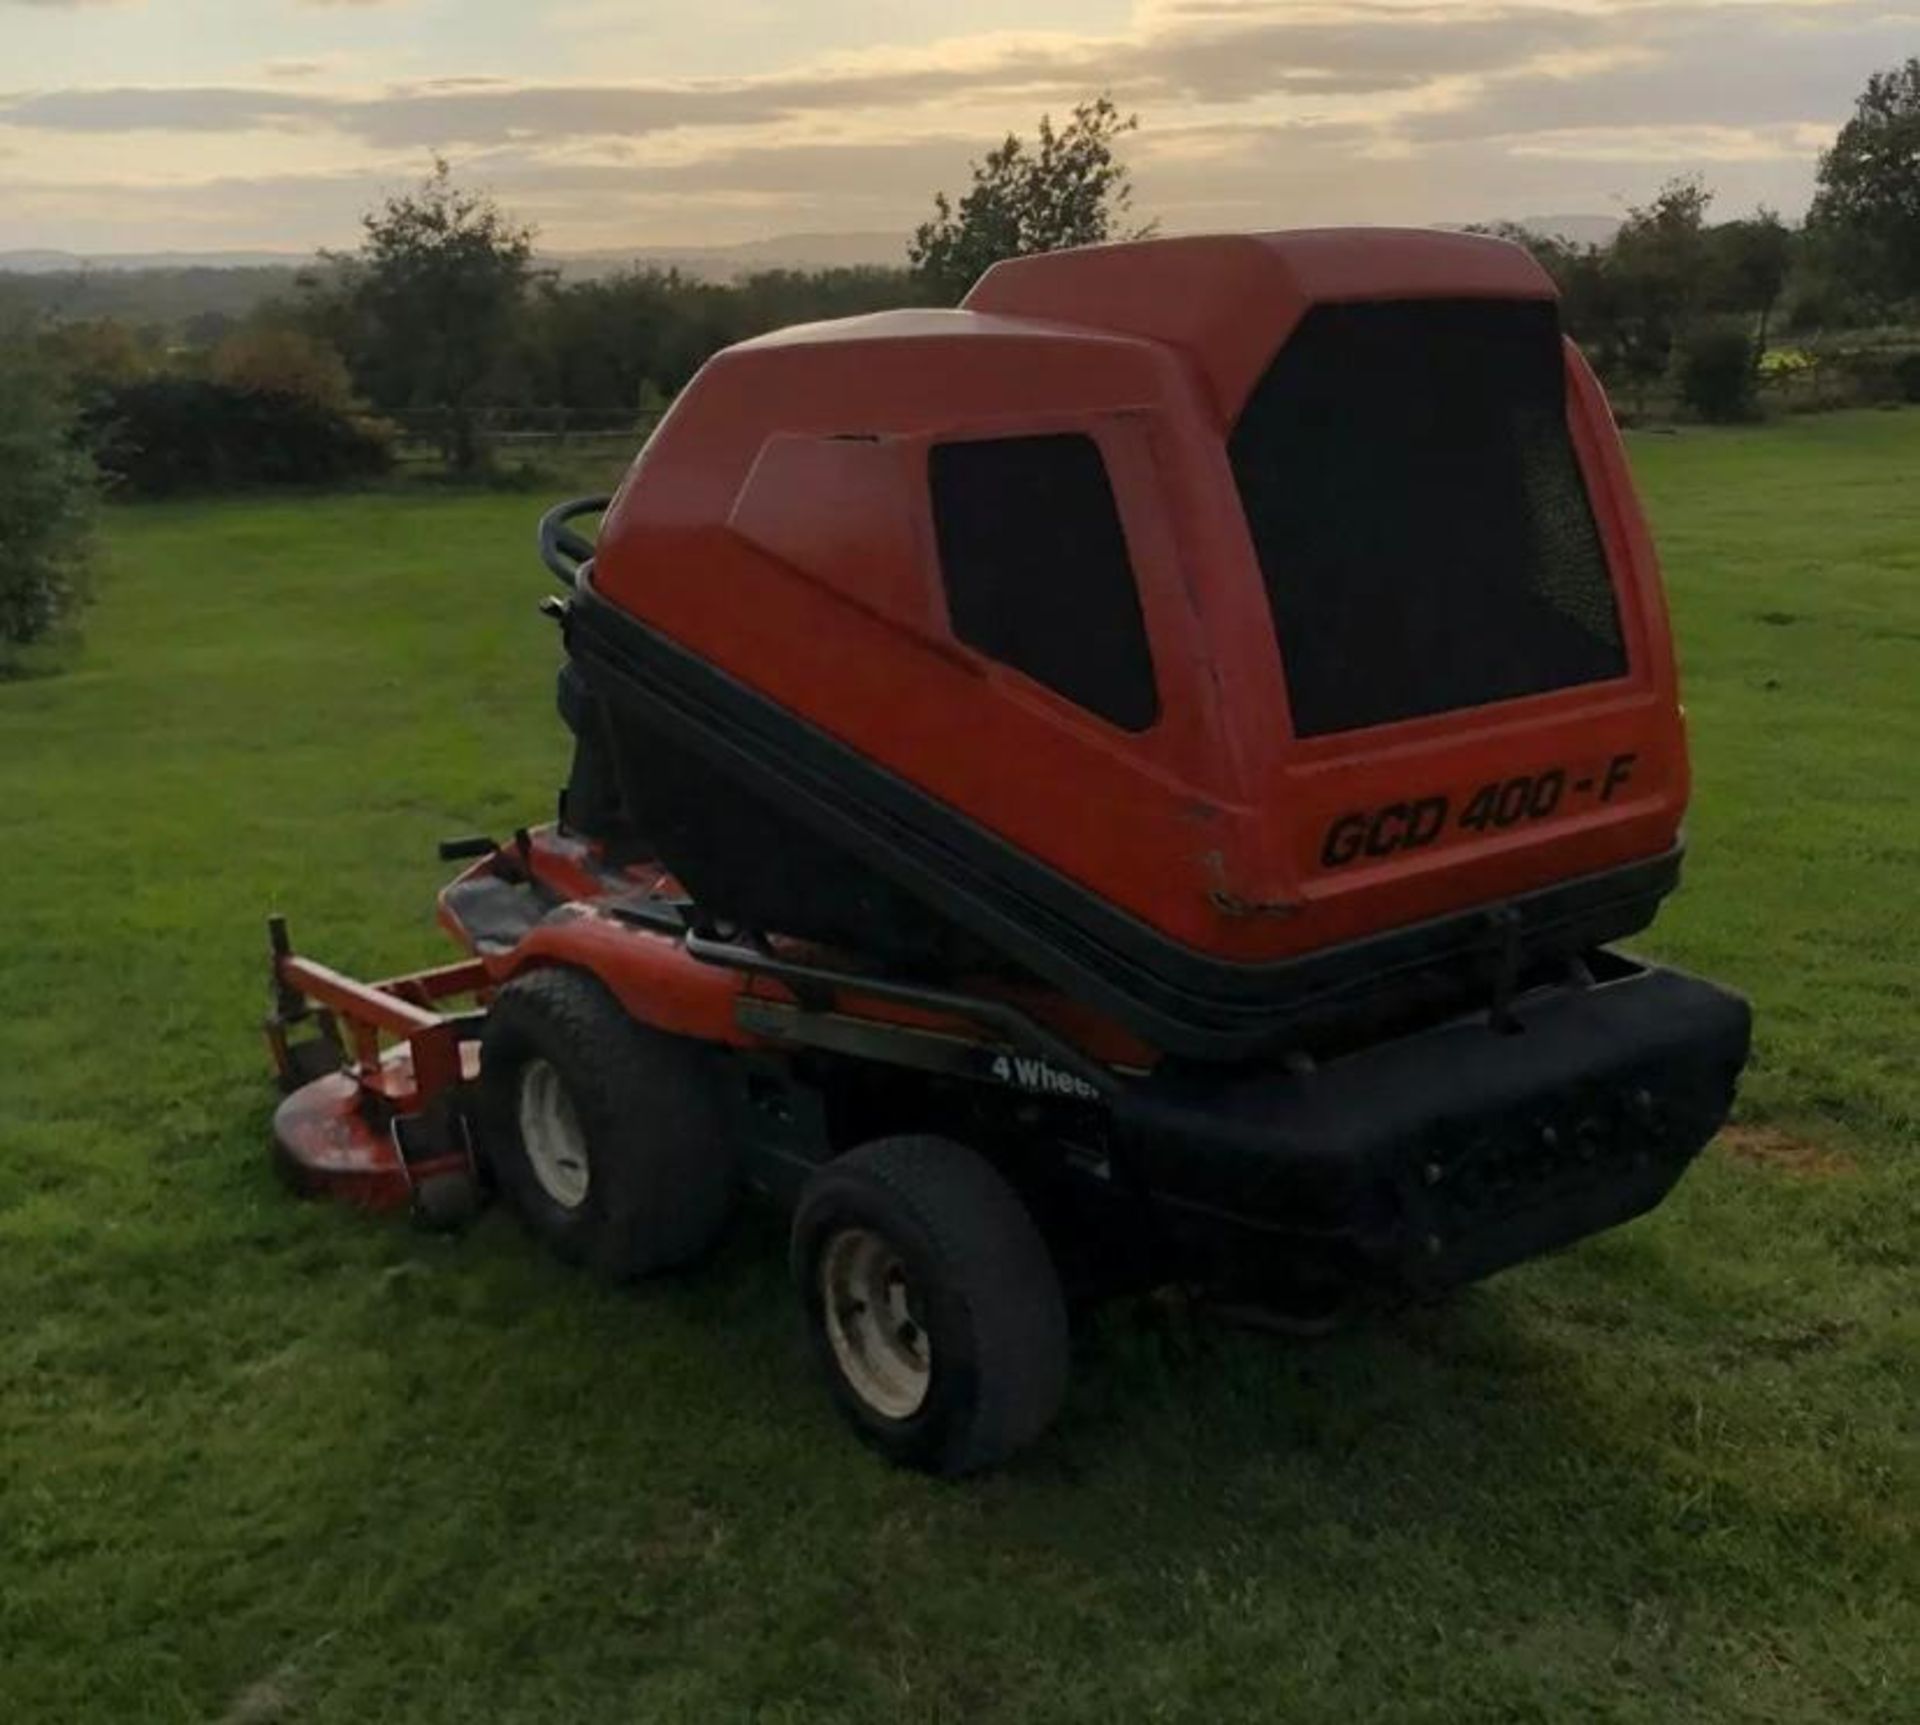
[196,125]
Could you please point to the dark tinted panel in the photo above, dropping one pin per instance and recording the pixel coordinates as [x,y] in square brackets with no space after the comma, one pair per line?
[1036,569]
[1419,513]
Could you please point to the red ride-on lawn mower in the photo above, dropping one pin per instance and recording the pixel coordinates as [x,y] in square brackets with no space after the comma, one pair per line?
[1132,780]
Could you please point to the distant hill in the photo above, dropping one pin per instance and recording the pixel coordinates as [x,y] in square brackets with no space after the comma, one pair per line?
[172,289]
[1575,230]
[40,263]
[175,290]
[717,263]
[171,296]
[726,263]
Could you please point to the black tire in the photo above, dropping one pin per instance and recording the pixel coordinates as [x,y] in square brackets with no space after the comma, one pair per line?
[985,1297]
[659,1179]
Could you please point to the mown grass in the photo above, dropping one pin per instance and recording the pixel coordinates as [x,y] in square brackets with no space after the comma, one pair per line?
[265,1460]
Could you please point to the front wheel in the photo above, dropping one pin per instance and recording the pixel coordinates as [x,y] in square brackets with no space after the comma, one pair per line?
[606,1136]
[932,1303]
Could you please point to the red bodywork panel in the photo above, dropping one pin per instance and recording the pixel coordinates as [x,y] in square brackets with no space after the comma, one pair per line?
[403,1055]
[778,525]
[661,985]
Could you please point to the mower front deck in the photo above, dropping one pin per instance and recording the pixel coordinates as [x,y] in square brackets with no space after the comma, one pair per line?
[379,1076]
[371,1116]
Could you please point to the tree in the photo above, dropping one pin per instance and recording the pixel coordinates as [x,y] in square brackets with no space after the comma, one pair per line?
[601,345]
[1717,374]
[426,310]
[1659,265]
[1753,258]
[1067,189]
[99,353]
[206,330]
[610,344]
[47,489]
[1868,204]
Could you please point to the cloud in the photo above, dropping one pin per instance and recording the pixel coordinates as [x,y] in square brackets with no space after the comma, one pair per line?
[1237,57]
[1212,176]
[1481,67]
[169,109]
[1709,68]
[1254,111]
[1662,144]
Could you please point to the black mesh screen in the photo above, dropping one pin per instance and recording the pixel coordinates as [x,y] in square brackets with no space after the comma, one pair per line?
[1036,569]
[1419,513]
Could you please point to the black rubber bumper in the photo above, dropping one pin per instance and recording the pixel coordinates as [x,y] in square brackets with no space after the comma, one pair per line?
[1433,1159]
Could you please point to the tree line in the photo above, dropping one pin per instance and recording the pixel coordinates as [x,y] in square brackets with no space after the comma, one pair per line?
[442,323]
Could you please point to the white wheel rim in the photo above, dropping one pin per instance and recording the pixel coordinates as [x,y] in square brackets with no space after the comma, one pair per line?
[550,1129]
[873,1323]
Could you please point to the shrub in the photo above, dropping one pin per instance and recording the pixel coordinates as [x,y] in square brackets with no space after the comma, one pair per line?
[176,434]
[1717,376]
[98,354]
[47,494]
[1785,362]
[1871,375]
[1906,371]
[282,359]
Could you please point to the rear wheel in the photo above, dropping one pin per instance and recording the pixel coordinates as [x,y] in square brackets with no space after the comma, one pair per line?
[606,1136]
[932,1302]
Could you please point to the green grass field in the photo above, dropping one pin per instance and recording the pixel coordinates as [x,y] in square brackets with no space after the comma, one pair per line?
[262,1460]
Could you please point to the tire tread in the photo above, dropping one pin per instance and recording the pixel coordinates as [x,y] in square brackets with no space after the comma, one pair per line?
[659,1206]
[993,1254]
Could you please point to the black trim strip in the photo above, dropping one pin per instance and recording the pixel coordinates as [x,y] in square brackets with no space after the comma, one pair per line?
[1183,1001]
[995,1015]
